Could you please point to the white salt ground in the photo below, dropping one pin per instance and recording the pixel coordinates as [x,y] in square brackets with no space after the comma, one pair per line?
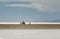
[29,33]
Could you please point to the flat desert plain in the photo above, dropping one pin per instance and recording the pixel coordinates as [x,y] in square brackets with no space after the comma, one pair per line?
[31,26]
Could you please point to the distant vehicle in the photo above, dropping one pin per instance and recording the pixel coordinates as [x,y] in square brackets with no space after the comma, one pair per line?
[23,22]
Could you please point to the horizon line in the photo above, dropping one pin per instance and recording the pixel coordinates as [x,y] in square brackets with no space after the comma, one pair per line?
[30,22]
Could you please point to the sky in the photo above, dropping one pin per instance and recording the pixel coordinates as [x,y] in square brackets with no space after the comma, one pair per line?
[30,10]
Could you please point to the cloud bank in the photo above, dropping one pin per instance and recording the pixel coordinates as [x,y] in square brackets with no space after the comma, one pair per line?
[31,5]
[50,6]
[19,5]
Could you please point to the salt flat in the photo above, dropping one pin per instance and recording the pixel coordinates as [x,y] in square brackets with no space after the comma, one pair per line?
[29,33]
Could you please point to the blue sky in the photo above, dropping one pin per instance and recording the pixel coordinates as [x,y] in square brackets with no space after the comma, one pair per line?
[30,10]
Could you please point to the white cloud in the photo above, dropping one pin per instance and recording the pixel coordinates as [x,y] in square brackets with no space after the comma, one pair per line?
[41,5]
[31,5]
[19,5]
[38,6]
